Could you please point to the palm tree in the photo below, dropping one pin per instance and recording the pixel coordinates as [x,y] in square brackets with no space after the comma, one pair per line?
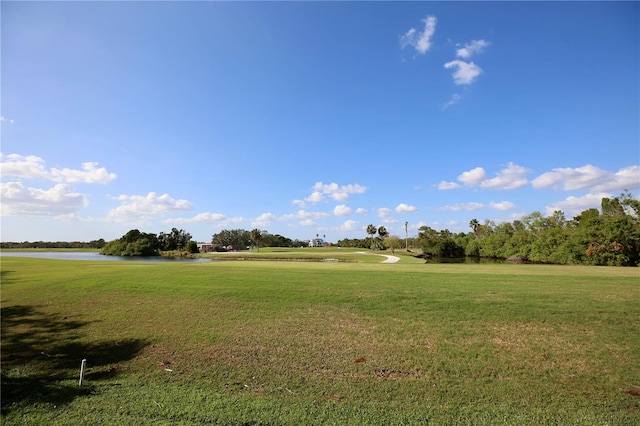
[371,230]
[383,233]
[256,236]
[475,225]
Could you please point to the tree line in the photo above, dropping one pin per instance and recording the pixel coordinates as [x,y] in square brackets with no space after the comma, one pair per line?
[609,236]
[136,243]
[241,239]
[94,244]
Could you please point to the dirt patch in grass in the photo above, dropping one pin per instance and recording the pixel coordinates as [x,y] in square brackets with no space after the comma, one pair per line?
[539,346]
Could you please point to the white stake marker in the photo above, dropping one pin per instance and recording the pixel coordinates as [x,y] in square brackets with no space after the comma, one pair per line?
[82,366]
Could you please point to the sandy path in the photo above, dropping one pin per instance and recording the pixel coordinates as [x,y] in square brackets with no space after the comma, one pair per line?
[389,258]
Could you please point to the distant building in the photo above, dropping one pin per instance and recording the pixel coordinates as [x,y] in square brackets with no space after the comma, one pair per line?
[205,247]
[317,242]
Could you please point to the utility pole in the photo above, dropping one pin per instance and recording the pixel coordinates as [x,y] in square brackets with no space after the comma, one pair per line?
[406,236]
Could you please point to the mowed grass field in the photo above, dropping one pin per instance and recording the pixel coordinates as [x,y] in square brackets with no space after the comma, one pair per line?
[290,343]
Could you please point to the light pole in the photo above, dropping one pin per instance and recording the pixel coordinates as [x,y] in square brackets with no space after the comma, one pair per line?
[406,236]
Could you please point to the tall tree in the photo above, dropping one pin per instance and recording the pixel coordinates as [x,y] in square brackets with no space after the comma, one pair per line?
[371,230]
[474,224]
[256,236]
[382,232]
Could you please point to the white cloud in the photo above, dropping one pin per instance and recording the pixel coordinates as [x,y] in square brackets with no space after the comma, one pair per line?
[265,219]
[20,200]
[590,178]
[32,167]
[335,191]
[512,177]
[342,210]
[463,207]
[405,208]
[420,41]
[304,215]
[385,214]
[199,218]
[473,177]
[315,197]
[469,49]
[28,167]
[360,210]
[502,205]
[349,225]
[465,72]
[448,185]
[6,120]
[300,203]
[139,208]
[573,206]
[89,174]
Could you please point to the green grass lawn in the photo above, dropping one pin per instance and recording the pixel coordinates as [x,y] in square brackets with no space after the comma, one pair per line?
[289,343]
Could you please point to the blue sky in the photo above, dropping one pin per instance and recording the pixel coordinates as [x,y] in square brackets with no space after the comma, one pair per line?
[312,118]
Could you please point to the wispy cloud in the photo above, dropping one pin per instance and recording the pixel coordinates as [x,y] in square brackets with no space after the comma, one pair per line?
[465,72]
[304,216]
[472,48]
[33,167]
[349,225]
[207,217]
[384,213]
[6,120]
[444,185]
[512,177]
[334,191]
[420,40]
[143,208]
[90,173]
[502,205]
[573,206]
[463,207]
[455,98]
[21,200]
[472,206]
[590,178]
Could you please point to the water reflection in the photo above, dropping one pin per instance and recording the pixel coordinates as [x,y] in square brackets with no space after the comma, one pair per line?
[92,255]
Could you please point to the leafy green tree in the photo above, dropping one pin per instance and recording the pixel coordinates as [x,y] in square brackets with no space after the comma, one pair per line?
[175,240]
[394,242]
[192,247]
[239,239]
[439,244]
[133,243]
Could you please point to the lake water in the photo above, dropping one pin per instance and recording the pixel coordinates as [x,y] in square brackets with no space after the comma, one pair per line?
[92,255]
